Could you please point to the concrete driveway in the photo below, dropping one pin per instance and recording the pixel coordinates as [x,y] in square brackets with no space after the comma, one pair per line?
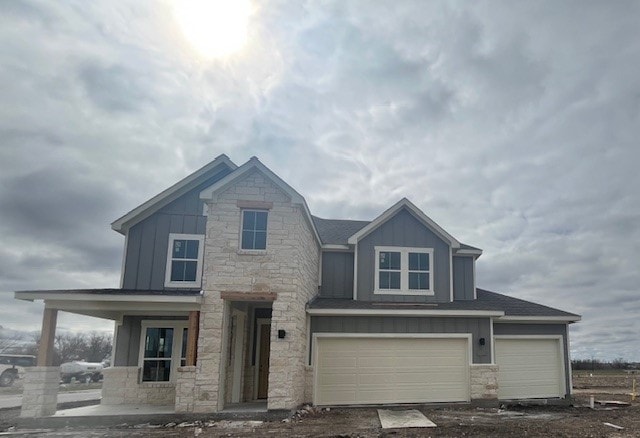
[8,401]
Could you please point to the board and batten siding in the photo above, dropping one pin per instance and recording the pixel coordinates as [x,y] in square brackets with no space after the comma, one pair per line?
[148,240]
[463,278]
[403,230]
[337,275]
[539,329]
[478,327]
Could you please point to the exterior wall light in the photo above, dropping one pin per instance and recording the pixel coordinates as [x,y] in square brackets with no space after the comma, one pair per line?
[281,334]
[481,341]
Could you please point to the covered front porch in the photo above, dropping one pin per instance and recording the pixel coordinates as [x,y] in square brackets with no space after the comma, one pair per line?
[138,376]
[159,338]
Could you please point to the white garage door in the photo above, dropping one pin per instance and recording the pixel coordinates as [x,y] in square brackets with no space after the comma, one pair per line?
[529,368]
[391,370]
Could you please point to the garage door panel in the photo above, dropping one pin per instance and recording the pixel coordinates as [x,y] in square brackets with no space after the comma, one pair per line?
[393,370]
[529,368]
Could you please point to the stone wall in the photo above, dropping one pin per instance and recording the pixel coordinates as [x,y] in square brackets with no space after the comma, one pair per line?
[288,267]
[121,386]
[213,312]
[185,386]
[40,391]
[484,383]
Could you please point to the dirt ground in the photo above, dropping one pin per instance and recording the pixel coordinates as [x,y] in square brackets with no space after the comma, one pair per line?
[459,421]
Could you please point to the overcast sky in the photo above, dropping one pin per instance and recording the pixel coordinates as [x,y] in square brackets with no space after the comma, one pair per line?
[513,125]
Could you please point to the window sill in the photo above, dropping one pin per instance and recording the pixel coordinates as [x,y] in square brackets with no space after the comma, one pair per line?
[427,293]
[252,251]
[158,384]
[183,285]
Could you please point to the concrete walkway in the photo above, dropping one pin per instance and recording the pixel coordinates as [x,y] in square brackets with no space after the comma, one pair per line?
[10,401]
[115,410]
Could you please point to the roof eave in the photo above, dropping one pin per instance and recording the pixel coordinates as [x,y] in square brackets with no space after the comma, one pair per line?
[539,319]
[468,252]
[86,297]
[404,312]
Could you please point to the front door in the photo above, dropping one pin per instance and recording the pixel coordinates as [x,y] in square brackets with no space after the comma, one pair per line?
[263,360]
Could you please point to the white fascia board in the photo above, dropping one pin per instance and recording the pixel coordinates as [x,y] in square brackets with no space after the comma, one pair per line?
[120,306]
[468,252]
[538,319]
[254,163]
[419,214]
[336,247]
[404,312]
[165,197]
[33,296]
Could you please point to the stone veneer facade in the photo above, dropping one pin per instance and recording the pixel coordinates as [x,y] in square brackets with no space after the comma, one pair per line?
[121,386]
[288,267]
[40,393]
[484,383]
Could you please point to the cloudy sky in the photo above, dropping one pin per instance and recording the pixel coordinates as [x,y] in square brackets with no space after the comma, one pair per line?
[513,125]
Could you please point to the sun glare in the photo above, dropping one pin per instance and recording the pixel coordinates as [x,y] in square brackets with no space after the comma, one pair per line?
[215,28]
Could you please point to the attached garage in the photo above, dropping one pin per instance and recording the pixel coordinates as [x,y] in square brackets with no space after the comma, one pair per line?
[375,369]
[530,367]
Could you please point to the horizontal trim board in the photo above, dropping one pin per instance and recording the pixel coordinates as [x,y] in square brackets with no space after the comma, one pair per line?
[32,296]
[248,296]
[258,205]
[394,335]
[556,337]
[336,247]
[120,306]
[402,312]
[541,319]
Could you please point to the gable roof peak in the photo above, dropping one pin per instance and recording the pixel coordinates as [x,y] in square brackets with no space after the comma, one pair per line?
[416,212]
[122,224]
[254,163]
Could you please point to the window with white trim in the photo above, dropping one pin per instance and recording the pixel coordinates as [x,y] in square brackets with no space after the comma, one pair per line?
[162,349]
[184,260]
[253,234]
[405,271]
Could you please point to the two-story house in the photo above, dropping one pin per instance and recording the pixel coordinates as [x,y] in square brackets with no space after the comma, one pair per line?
[233,292]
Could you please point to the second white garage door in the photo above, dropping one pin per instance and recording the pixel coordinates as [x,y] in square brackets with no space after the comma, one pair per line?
[529,368]
[391,370]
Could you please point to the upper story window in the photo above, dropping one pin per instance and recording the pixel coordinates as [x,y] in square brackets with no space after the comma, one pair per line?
[254,230]
[184,260]
[404,271]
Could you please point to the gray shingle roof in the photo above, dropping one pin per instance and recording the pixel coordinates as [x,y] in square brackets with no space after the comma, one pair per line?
[337,231]
[487,300]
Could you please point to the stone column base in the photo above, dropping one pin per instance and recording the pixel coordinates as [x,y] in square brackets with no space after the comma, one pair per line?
[185,389]
[484,385]
[40,393]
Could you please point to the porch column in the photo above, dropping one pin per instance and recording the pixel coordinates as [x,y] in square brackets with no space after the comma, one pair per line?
[192,338]
[47,337]
[40,393]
